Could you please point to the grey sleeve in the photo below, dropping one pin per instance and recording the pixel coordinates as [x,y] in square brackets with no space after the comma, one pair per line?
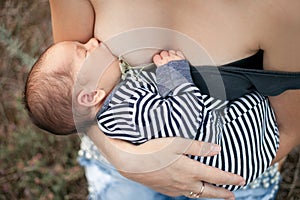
[172,75]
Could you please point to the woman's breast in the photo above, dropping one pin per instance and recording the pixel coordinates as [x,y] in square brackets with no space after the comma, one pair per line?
[208,32]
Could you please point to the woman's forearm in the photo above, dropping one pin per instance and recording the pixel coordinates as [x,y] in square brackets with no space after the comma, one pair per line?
[161,163]
[287,143]
[286,107]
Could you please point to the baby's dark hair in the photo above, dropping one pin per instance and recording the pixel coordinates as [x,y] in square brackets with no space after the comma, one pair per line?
[48,98]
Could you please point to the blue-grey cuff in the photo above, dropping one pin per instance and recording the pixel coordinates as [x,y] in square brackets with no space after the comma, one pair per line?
[171,75]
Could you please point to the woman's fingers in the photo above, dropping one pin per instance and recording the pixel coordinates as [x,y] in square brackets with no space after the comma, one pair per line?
[211,191]
[205,172]
[198,148]
[183,178]
[217,176]
[180,146]
[202,172]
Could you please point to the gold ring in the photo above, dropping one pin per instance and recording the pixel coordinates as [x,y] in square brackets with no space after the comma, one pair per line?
[196,194]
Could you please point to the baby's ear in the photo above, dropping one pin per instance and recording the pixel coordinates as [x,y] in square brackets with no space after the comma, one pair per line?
[90,98]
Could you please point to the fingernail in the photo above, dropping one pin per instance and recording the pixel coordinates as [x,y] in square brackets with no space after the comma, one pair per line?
[242,183]
[215,148]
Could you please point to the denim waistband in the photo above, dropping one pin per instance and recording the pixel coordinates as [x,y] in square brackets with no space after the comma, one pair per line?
[89,151]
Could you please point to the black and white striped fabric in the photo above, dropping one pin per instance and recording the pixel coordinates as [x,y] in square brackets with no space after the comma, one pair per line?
[245,128]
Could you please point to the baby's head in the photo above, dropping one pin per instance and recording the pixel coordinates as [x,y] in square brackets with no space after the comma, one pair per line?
[49,90]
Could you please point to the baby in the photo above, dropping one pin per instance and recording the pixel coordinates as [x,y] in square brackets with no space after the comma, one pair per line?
[145,105]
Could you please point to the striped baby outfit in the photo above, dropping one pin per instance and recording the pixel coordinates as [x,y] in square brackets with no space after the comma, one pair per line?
[148,105]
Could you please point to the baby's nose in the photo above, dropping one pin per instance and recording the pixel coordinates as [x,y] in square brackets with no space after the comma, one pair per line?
[92,44]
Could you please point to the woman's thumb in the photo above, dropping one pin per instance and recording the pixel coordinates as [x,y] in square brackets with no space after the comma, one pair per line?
[198,148]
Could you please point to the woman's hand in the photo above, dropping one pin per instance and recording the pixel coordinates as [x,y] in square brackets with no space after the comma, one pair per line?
[184,175]
[162,165]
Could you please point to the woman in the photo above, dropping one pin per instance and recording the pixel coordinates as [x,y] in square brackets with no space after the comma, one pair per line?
[228,31]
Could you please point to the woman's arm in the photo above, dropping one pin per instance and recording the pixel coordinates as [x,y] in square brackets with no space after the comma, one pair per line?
[165,167]
[72,20]
[280,32]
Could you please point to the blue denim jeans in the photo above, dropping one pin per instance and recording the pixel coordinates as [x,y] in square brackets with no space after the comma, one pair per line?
[105,183]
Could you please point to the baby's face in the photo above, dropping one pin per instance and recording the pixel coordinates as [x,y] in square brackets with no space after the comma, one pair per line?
[92,65]
[70,54]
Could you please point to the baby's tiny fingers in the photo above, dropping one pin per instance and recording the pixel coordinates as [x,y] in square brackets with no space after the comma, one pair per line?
[172,52]
[157,60]
[180,54]
[164,53]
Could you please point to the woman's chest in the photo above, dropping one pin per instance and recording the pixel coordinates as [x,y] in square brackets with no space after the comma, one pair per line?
[221,29]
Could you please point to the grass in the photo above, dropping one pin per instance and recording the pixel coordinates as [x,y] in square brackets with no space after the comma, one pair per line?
[33,164]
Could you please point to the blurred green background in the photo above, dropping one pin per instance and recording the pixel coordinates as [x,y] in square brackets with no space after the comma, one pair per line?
[34,164]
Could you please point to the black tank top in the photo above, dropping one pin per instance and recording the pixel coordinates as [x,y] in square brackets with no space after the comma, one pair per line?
[242,77]
[252,62]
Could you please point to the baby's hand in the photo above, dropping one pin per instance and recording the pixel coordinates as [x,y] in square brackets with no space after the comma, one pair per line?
[166,56]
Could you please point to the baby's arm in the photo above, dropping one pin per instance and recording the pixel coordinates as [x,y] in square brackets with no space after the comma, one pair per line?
[173,71]
[177,112]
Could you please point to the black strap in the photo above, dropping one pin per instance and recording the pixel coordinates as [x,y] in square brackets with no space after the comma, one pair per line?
[236,82]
